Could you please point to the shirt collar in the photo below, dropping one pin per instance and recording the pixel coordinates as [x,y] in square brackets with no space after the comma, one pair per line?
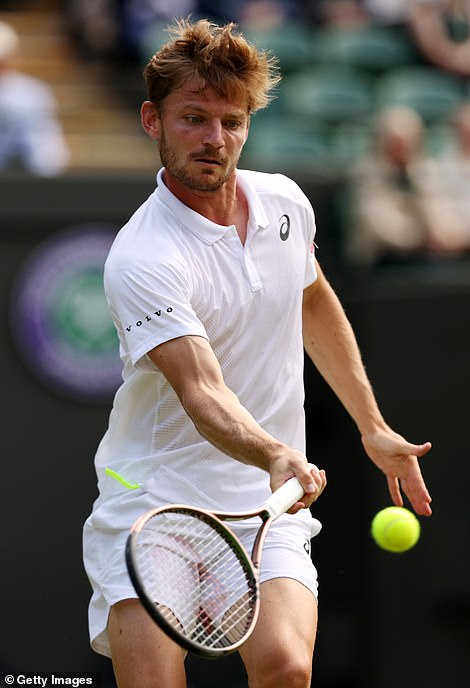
[205,230]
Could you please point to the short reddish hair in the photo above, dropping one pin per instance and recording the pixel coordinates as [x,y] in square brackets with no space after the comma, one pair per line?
[220,57]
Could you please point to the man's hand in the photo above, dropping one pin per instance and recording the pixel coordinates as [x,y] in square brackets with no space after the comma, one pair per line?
[398,460]
[293,463]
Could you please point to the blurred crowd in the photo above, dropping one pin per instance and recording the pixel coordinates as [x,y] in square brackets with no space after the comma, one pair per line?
[374,91]
[439,28]
[31,136]
[403,203]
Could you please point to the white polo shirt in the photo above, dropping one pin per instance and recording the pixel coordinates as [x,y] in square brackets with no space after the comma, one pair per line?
[171,272]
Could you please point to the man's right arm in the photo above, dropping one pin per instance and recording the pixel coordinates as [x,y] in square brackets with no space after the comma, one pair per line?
[191,367]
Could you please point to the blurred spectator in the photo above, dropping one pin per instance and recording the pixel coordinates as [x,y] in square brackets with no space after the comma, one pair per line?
[264,14]
[455,170]
[117,30]
[390,12]
[96,27]
[30,135]
[139,15]
[337,13]
[441,29]
[397,209]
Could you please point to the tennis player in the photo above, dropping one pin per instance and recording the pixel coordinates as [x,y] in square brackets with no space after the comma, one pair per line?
[215,290]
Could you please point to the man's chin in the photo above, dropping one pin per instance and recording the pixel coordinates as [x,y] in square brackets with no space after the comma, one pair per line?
[207,182]
[200,180]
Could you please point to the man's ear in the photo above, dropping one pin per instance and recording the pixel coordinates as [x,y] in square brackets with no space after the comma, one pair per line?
[150,119]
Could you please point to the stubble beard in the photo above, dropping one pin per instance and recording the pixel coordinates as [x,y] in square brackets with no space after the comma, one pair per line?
[211,180]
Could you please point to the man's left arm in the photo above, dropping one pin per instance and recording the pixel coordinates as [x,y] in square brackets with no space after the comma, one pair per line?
[330,342]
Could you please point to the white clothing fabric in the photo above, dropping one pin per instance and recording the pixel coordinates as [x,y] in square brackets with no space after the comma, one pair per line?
[286,554]
[170,273]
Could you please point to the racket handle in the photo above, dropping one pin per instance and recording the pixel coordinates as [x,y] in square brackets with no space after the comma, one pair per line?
[284,497]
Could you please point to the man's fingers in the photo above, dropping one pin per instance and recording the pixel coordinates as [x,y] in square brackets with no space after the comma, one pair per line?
[418,496]
[420,449]
[394,490]
[317,483]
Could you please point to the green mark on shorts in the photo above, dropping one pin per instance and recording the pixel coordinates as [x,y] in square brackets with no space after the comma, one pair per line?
[120,479]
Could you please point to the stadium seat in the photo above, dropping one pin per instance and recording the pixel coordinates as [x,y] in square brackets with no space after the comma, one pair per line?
[291,43]
[432,93]
[328,93]
[373,48]
[280,143]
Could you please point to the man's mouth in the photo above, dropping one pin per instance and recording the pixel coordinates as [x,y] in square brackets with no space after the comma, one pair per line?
[208,161]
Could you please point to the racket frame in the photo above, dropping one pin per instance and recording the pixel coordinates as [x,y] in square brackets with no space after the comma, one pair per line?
[216,521]
[278,503]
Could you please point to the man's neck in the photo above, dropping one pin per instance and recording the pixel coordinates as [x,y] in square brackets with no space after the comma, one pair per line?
[227,206]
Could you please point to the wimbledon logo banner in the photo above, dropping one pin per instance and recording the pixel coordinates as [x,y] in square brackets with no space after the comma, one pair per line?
[59,318]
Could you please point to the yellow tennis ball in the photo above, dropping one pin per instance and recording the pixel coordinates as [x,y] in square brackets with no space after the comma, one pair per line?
[395,529]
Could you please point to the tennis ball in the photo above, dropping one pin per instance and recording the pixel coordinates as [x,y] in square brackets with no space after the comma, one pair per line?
[395,529]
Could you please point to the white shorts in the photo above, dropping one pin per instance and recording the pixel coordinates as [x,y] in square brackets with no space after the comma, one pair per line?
[286,554]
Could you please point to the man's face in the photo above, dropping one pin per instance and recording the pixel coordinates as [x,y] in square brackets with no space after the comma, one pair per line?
[201,136]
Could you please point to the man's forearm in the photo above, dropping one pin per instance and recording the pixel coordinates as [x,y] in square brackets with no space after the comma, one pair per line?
[330,342]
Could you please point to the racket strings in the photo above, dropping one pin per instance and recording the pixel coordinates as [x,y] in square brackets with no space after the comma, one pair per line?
[197,578]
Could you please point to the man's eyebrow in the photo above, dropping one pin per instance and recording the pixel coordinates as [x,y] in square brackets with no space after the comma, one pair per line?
[199,108]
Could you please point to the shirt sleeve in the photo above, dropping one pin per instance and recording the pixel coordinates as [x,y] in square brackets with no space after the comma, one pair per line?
[307,219]
[311,270]
[150,306]
[310,225]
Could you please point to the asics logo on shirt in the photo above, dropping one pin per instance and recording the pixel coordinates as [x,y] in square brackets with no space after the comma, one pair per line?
[284,229]
[148,318]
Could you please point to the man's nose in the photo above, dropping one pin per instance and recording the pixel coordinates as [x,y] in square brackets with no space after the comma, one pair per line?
[213,135]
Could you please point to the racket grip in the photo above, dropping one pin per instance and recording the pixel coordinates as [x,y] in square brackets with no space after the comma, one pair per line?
[284,497]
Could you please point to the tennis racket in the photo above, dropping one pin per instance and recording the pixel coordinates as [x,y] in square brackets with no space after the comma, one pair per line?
[195,578]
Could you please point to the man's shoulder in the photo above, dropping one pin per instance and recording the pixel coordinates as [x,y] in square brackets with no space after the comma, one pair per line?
[272,184]
[267,181]
[143,237]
